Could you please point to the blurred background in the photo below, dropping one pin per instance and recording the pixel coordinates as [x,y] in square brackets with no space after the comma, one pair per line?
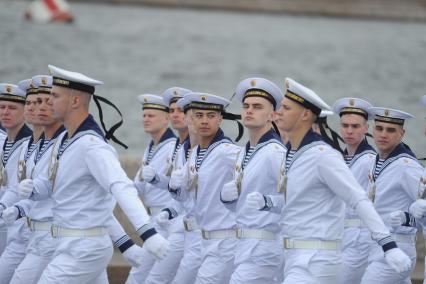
[371,49]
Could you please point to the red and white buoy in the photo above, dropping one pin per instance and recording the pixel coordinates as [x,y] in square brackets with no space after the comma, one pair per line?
[45,11]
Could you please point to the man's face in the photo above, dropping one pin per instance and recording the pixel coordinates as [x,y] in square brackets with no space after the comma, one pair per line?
[45,110]
[11,114]
[60,101]
[206,122]
[257,112]
[154,120]
[177,117]
[387,136]
[31,109]
[288,115]
[353,128]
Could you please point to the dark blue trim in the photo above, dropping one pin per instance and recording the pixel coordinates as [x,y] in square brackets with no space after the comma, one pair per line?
[363,146]
[218,137]
[309,138]
[24,132]
[167,135]
[389,246]
[88,124]
[148,233]
[127,244]
[269,135]
[399,149]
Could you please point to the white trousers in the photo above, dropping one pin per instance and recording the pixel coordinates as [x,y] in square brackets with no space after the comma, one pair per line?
[217,262]
[139,274]
[10,259]
[355,250]
[164,270]
[379,272]
[191,261]
[303,266]
[40,251]
[78,260]
[258,261]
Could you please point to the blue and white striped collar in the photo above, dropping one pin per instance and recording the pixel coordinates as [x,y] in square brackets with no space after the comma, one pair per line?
[88,124]
[362,147]
[269,135]
[399,149]
[218,137]
[167,135]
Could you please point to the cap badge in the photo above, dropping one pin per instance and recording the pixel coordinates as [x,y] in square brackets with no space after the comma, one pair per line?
[44,81]
[287,84]
[203,98]
[145,100]
[351,102]
[386,112]
[175,93]
[9,89]
[253,83]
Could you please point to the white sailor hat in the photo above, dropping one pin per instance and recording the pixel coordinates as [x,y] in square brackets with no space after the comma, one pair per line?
[390,115]
[353,106]
[73,80]
[28,87]
[304,96]
[183,103]
[206,101]
[173,94]
[150,101]
[12,93]
[259,87]
[43,84]
[322,117]
[423,100]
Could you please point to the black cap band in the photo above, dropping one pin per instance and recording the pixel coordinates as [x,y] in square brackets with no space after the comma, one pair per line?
[298,99]
[387,119]
[12,98]
[260,93]
[73,85]
[353,110]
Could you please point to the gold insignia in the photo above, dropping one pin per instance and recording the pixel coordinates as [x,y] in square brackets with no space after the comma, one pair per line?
[9,89]
[44,81]
[253,83]
[352,102]
[145,100]
[237,168]
[386,112]
[203,98]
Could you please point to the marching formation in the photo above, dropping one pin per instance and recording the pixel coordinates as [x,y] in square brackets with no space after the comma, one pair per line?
[290,206]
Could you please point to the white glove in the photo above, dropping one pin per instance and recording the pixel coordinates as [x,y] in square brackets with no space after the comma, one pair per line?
[148,173]
[133,255]
[229,192]
[25,188]
[163,218]
[177,179]
[10,215]
[418,208]
[157,246]
[398,260]
[255,201]
[397,218]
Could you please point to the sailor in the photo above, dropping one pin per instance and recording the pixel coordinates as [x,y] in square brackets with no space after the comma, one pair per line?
[359,155]
[315,184]
[157,157]
[164,270]
[258,257]
[209,167]
[394,178]
[83,176]
[12,104]
[191,260]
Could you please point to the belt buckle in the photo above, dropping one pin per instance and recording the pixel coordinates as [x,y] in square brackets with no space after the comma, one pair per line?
[29,222]
[239,233]
[288,243]
[204,234]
